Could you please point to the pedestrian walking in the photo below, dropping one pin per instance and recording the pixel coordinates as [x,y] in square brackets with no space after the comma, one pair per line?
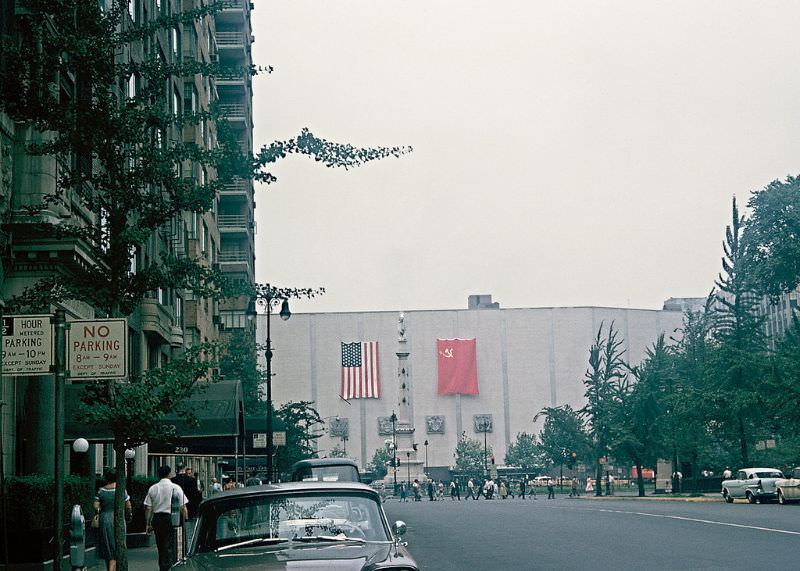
[551,490]
[216,487]
[522,485]
[589,486]
[417,491]
[188,484]
[158,516]
[727,474]
[503,490]
[471,490]
[430,491]
[573,493]
[403,492]
[104,507]
[440,491]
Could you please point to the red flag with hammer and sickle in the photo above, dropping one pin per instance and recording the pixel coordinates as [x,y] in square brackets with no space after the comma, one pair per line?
[458,367]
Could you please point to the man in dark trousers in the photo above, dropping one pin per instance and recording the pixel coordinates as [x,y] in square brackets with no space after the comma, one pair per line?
[522,483]
[430,490]
[158,516]
[188,484]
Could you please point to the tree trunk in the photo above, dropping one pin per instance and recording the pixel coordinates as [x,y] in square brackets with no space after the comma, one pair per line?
[598,486]
[639,478]
[743,441]
[119,505]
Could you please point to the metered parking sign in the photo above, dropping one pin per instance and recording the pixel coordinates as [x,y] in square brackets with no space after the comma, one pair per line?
[27,345]
[98,349]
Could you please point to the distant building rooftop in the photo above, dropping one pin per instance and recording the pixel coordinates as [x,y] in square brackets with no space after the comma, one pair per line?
[481,301]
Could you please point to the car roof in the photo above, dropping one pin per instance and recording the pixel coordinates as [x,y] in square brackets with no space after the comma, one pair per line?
[294,488]
[760,469]
[315,462]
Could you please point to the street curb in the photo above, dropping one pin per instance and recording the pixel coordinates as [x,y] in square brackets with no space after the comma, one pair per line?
[656,498]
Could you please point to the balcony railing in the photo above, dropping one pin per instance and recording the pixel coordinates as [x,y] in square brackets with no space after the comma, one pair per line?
[233,4]
[230,39]
[233,109]
[232,221]
[233,257]
[235,187]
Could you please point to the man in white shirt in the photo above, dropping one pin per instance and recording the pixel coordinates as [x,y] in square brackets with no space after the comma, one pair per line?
[158,515]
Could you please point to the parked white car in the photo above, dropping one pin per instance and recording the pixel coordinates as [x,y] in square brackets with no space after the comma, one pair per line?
[788,489]
[755,485]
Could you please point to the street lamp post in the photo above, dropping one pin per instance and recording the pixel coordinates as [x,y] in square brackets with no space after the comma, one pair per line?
[484,427]
[408,466]
[268,298]
[394,448]
[426,458]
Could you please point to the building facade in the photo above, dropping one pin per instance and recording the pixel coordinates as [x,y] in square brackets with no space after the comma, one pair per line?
[527,359]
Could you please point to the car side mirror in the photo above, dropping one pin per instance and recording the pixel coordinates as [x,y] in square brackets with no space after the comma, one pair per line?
[399,528]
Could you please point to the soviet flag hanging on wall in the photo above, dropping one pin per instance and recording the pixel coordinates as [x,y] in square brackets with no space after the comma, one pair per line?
[458,367]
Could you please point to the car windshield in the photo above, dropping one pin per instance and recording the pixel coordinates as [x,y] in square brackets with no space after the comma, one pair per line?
[318,516]
[341,473]
[769,474]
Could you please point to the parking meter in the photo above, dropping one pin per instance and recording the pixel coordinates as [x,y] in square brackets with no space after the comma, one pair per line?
[175,508]
[77,538]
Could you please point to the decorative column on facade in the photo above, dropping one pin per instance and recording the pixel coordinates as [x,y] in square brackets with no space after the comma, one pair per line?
[410,467]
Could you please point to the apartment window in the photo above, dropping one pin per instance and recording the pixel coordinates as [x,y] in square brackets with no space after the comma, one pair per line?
[233,319]
[204,237]
[176,101]
[195,217]
[179,311]
[176,43]
[161,296]
[133,267]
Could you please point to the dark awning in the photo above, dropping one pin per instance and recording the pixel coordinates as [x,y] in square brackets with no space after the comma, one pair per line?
[217,407]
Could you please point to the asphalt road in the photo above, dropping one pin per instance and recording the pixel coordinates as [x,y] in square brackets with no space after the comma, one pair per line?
[599,534]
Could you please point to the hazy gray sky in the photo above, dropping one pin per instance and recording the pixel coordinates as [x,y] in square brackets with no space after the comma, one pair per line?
[565,152]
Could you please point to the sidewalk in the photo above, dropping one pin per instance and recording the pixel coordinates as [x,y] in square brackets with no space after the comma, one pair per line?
[142,559]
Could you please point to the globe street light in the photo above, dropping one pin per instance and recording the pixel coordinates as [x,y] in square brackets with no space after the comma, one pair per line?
[130,454]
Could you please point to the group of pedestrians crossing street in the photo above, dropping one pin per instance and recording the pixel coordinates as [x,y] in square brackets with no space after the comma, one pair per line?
[489,489]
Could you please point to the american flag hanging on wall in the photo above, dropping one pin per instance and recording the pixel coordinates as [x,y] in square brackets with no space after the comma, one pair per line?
[360,370]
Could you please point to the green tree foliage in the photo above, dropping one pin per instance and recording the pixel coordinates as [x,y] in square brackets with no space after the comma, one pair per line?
[691,401]
[602,380]
[741,356]
[524,452]
[239,361]
[643,423]
[772,235]
[300,419]
[337,452]
[562,434]
[380,461]
[470,455]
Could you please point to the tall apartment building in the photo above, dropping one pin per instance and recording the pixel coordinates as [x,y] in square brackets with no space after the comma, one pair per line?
[168,320]
[236,202]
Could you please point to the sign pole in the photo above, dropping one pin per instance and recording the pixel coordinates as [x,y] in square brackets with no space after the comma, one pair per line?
[59,377]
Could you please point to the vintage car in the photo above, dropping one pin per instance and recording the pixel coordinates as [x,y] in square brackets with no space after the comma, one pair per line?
[298,526]
[756,485]
[788,488]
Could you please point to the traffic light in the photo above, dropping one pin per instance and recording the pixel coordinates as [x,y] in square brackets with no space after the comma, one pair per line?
[571,459]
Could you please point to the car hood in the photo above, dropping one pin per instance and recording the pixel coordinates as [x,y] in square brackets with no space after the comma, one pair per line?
[301,557]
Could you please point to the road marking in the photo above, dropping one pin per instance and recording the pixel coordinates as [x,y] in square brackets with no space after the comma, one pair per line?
[692,519]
